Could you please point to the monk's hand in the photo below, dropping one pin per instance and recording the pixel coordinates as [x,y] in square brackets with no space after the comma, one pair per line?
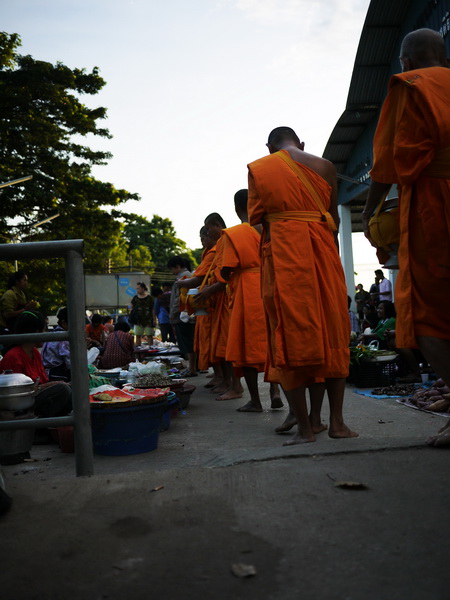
[203,295]
[365,218]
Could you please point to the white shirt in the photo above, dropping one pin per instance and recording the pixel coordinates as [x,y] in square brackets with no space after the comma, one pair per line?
[385,289]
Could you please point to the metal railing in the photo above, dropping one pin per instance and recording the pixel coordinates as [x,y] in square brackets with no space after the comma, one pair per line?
[72,252]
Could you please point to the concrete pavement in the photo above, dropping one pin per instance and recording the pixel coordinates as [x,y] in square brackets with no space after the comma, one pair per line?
[221,490]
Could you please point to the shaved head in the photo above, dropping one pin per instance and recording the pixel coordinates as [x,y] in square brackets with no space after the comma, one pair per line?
[421,49]
[214,219]
[282,134]
[241,200]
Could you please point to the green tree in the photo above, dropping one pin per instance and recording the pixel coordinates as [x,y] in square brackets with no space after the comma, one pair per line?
[43,129]
[158,235]
[43,126]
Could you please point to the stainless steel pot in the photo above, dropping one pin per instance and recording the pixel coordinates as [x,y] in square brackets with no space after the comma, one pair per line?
[17,391]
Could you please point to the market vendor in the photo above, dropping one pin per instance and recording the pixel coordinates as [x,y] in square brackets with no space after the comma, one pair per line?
[14,301]
[386,314]
[53,399]
[119,348]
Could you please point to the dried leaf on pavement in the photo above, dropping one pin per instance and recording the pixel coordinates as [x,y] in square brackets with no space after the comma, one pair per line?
[242,570]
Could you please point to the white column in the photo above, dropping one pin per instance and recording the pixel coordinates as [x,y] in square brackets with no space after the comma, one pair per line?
[346,249]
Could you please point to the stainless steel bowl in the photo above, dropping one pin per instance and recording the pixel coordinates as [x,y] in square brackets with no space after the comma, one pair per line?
[16,391]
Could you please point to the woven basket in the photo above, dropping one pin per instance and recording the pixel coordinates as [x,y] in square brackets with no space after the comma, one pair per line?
[373,374]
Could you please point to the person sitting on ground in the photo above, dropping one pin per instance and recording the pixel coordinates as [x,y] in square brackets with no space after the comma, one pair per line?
[14,301]
[386,314]
[108,324]
[95,332]
[53,398]
[56,355]
[119,348]
[370,317]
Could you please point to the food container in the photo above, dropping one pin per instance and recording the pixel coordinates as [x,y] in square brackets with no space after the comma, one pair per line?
[16,391]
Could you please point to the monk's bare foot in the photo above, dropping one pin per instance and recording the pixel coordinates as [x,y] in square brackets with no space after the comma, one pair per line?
[319,428]
[230,395]
[342,432]
[300,439]
[276,402]
[250,407]
[287,424]
[220,389]
[442,438]
[214,383]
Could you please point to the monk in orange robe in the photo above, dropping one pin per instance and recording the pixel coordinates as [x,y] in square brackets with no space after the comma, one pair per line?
[216,292]
[293,195]
[240,265]
[412,149]
[202,336]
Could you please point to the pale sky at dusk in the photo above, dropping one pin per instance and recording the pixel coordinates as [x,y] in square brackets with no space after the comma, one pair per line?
[194,88]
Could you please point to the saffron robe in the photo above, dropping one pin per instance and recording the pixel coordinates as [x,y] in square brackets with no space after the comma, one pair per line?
[202,336]
[219,312]
[247,341]
[303,286]
[412,149]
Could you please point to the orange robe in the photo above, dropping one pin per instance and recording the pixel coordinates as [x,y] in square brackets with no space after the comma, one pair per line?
[303,286]
[247,341]
[412,149]
[202,337]
[219,313]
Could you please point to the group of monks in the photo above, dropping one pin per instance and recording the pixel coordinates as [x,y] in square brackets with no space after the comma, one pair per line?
[273,287]
[274,291]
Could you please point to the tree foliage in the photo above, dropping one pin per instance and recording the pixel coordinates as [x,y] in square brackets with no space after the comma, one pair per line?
[158,235]
[43,126]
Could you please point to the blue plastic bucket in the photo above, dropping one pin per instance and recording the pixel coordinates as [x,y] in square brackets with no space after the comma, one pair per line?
[127,430]
[172,402]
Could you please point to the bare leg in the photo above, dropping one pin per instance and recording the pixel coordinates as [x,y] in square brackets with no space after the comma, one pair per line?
[225,384]
[251,379]
[316,394]
[288,423]
[217,377]
[335,390]
[275,396]
[235,390]
[297,403]
[138,340]
[437,353]
[192,360]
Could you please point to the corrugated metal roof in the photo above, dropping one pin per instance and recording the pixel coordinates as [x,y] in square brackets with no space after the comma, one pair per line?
[368,86]
[370,75]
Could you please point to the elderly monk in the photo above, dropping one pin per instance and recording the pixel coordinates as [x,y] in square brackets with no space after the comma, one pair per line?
[247,342]
[412,149]
[293,195]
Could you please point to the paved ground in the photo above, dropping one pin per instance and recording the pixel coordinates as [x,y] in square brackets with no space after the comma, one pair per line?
[221,490]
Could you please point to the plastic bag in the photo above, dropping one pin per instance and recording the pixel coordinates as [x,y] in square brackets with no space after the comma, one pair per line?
[92,355]
[184,317]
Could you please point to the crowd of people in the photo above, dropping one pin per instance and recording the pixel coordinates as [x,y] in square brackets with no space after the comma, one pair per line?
[270,294]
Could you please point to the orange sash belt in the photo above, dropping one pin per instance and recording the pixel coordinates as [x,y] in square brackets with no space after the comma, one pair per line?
[248,270]
[312,216]
[440,167]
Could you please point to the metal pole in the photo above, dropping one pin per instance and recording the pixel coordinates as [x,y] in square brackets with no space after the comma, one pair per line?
[79,366]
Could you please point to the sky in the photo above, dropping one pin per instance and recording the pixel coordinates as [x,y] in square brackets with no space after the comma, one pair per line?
[195,86]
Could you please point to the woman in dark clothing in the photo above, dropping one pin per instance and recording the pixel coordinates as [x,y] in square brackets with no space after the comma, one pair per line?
[142,313]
